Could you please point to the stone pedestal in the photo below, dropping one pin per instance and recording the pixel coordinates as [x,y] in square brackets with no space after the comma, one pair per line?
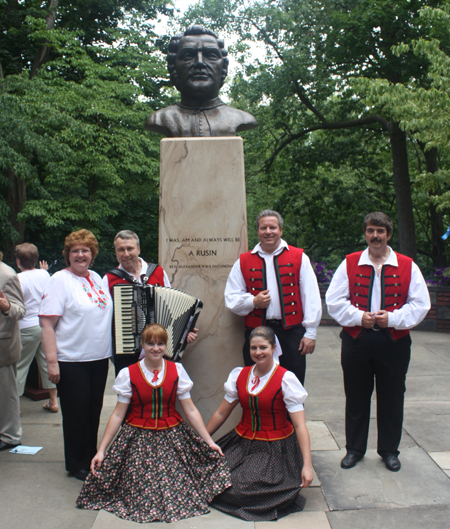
[202,231]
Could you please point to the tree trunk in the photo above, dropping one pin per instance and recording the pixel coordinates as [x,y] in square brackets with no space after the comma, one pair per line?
[437,223]
[42,55]
[16,196]
[402,186]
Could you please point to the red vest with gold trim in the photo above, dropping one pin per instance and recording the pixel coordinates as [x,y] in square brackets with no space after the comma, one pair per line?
[394,280]
[287,266]
[264,415]
[157,279]
[153,407]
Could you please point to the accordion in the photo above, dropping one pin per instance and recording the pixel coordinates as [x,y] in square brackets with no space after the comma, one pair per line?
[136,306]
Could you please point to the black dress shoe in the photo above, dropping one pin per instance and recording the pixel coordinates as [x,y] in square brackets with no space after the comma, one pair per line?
[81,474]
[6,446]
[350,460]
[392,463]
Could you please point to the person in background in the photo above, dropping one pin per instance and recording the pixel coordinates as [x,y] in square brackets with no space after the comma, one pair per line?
[377,295]
[33,282]
[12,309]
[75,317]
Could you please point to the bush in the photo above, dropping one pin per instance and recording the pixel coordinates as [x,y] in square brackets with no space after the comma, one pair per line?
[323,275]
[440,277]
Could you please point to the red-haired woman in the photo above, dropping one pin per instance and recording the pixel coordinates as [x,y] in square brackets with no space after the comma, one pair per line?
[158,468]
[75,317]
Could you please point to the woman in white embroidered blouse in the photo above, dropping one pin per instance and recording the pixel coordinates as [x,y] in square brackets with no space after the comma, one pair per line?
[76,316]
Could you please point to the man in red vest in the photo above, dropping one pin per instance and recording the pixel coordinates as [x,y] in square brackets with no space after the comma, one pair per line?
[377,295]
[275,285]
[133,269]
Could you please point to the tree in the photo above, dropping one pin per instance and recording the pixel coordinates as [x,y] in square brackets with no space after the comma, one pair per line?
[313,51]
[74,94]
[423,111]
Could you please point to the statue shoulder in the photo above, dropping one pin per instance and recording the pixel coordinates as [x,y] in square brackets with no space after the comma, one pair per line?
[242,120]
[162,121]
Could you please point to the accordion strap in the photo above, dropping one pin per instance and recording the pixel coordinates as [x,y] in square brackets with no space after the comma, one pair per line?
[148,274]
[125,275]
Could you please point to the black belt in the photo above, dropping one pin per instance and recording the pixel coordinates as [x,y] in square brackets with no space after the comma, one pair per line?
[274,323]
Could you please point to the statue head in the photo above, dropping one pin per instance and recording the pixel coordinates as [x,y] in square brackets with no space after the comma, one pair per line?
[197,63]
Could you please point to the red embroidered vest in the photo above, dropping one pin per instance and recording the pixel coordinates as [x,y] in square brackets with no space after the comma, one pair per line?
[157,279]
[153,407]
[394,281]
[287,266]
[264,415]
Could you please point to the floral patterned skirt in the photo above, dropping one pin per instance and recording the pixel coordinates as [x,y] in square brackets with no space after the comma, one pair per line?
[150,475]
[266,478]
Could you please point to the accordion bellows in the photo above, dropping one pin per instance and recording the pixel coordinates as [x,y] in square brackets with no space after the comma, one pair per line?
[136,306]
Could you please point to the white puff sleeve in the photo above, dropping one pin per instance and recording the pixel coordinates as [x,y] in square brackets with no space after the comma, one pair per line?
[184,383]
[231,392]
[294,394]
[122,386]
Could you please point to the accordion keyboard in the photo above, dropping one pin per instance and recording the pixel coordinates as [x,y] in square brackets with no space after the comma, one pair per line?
[136,306]
[126,330]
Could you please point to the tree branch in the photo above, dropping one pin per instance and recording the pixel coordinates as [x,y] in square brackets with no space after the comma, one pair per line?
[301,94]
[325,126]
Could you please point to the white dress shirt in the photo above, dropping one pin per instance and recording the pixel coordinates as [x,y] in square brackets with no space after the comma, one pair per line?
[144,266]
[406,317]
[294,394]
[240,301]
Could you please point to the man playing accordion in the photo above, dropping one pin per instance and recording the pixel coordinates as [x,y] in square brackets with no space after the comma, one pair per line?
[133,269]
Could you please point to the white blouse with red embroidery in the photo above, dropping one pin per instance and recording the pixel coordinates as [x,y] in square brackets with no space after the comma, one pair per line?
[85,310]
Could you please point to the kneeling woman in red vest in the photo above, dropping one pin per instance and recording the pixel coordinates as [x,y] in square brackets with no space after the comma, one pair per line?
[269,464]
[158,468]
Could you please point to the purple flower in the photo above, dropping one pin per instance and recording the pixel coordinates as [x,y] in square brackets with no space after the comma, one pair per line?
[440,277]
[323,275]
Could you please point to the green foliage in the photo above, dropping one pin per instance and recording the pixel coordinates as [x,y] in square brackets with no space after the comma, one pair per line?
[324,193]
[74,133]
[423,111]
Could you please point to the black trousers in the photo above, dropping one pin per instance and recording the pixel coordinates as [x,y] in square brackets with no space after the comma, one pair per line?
[374,357]
[289,339]
[81,388]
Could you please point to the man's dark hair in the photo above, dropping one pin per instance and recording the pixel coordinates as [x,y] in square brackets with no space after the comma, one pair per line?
[172,51]
[378,218]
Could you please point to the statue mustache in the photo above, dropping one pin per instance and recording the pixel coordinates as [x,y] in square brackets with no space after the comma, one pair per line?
[202,70]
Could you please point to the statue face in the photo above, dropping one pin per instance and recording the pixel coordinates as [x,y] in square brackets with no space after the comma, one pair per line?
[199,66]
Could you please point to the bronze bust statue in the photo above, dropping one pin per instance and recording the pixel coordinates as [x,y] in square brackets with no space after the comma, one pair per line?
[198,65]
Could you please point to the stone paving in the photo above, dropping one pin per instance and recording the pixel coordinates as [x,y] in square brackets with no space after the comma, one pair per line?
[37,493]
